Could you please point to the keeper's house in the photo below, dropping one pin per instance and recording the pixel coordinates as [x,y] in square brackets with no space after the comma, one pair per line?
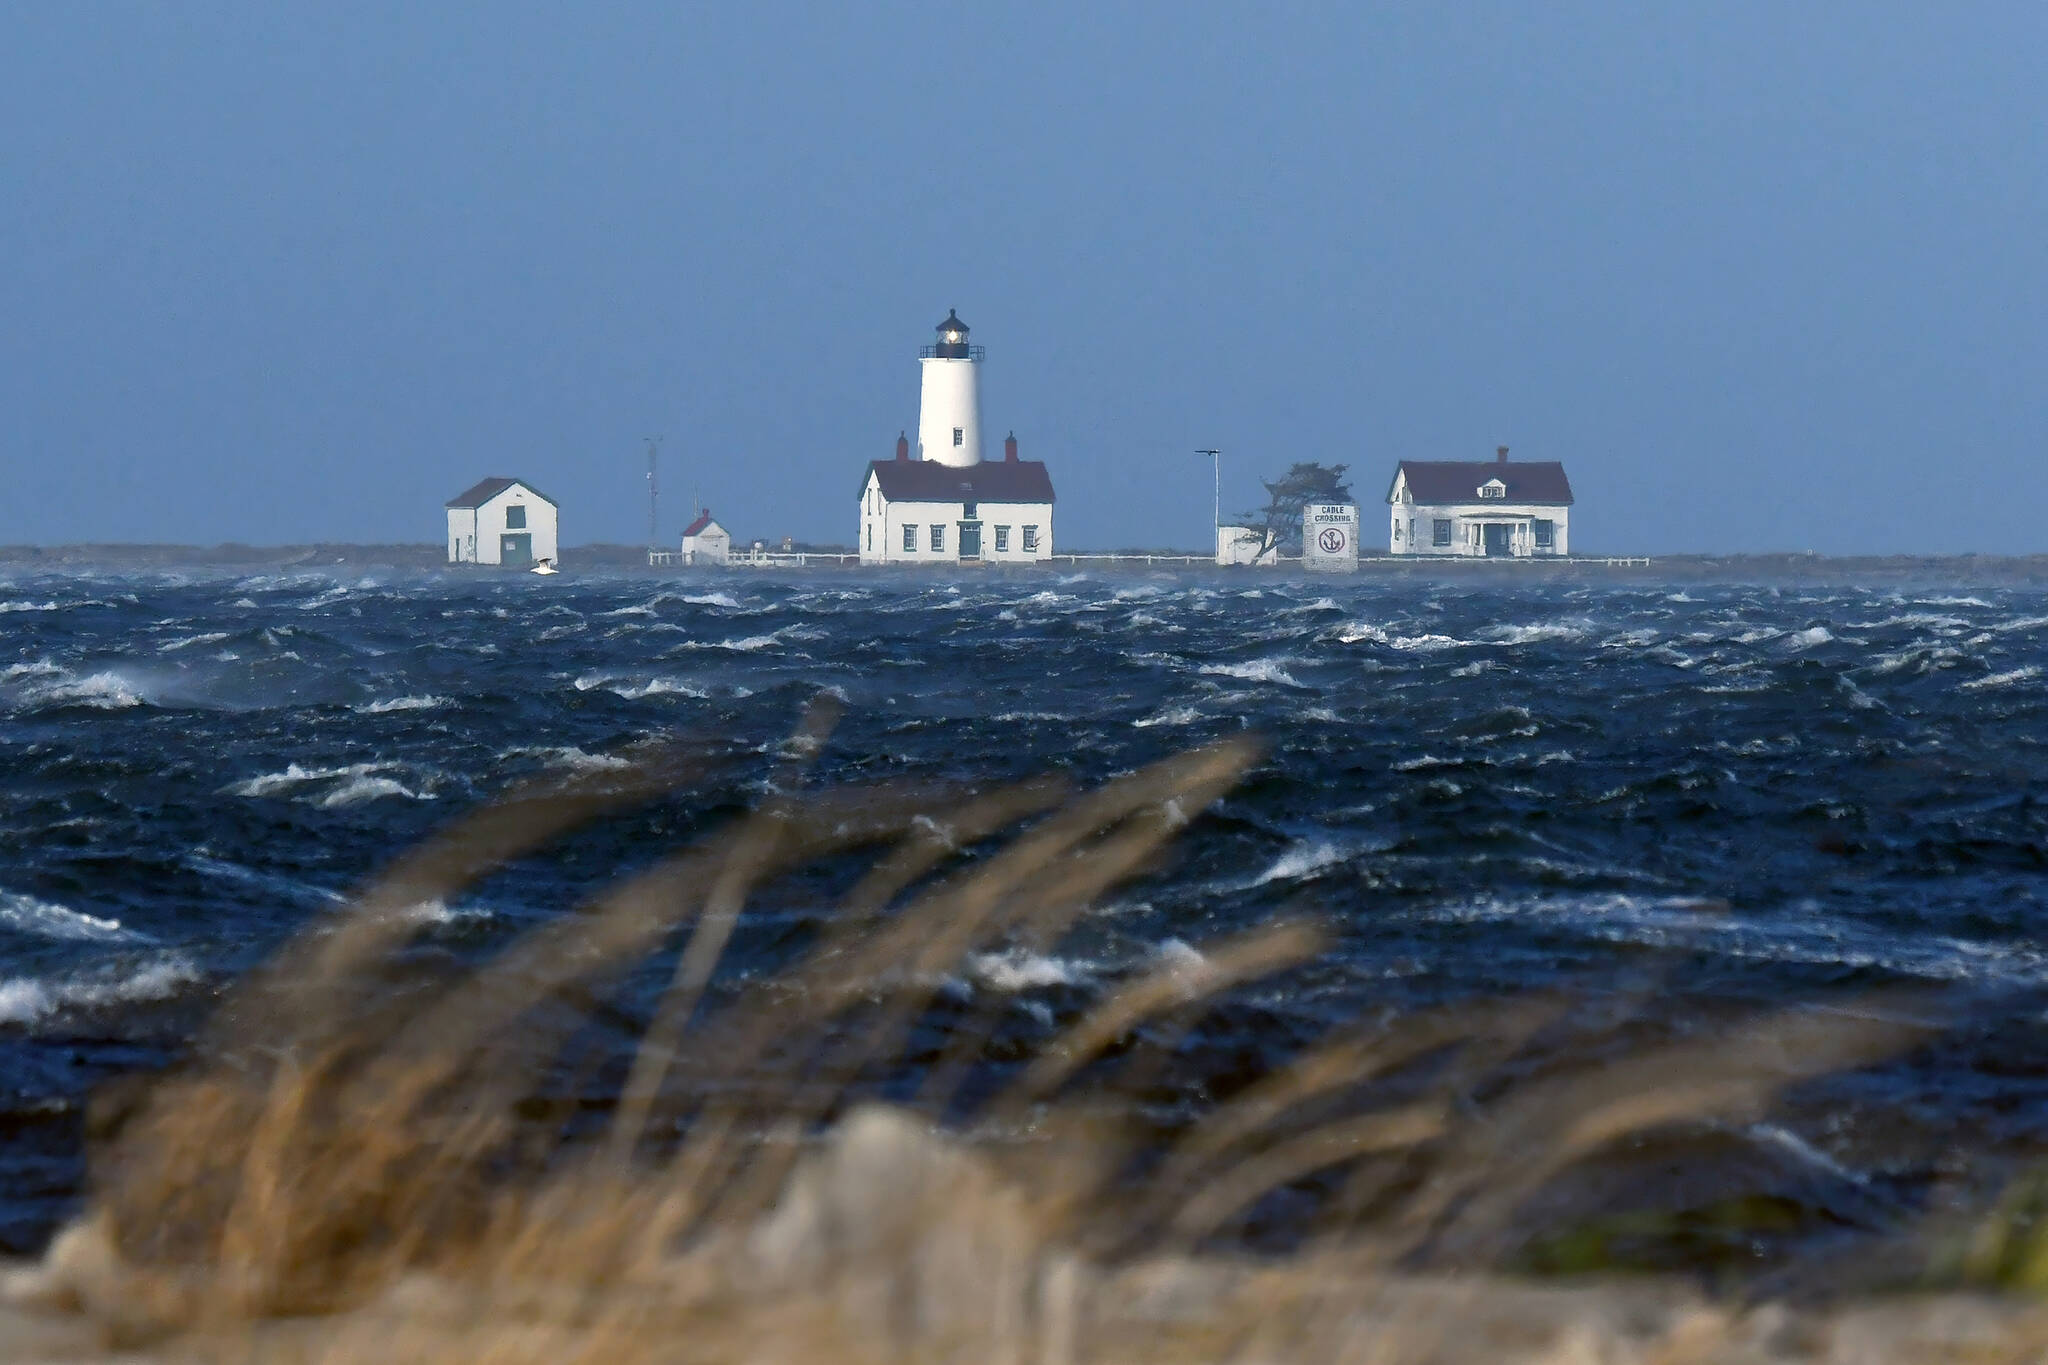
[1475,508]
[926,512]
[501,521]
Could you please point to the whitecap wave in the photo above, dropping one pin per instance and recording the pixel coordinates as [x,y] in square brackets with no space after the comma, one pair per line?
[1258,670]
[1172,715]
[211,637]
[1303,862]
[386,707]
[569,756]
[350,785]
[1537,634]
[1018,969]
[2009,678]
[1428,644]
[357,790]
[658,687]
[26,1000]
[47,919]
[636,689]
[106,690]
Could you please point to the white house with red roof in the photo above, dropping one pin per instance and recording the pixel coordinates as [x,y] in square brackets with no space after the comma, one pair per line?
[705,541]
[949,506]
[1493,508]
[502,521]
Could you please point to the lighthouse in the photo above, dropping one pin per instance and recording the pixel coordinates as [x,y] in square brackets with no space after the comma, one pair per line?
[949,407]
[947,506]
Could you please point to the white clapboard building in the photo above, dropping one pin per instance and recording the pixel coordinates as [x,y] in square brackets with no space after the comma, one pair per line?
[1496,508]
[950,506]
[705,541]
[502,521]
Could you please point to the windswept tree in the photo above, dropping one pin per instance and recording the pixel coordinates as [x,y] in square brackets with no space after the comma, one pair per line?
[1278,523]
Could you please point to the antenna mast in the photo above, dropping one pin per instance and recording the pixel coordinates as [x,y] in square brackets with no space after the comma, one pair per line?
[653,492]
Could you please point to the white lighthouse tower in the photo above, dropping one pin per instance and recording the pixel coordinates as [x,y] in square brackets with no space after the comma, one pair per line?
[949,506]
[949,408]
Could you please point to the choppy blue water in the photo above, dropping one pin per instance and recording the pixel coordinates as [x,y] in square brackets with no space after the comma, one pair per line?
[1702,797]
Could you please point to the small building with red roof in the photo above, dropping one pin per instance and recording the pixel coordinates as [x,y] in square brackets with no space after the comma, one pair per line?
[705,541]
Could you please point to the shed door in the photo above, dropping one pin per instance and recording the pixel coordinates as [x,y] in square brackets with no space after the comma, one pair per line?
[516,550]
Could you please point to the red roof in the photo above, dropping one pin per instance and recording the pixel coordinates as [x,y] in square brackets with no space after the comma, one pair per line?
[1449,481]
[990,481]
[703,520]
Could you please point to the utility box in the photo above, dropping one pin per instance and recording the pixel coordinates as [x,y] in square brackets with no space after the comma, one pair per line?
[1241,545]
[1329,537]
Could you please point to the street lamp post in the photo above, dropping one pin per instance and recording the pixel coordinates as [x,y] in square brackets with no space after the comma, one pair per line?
[1216,460]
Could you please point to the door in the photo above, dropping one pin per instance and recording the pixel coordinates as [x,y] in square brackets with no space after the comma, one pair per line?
[516,551]
[1500,538]
[970,540]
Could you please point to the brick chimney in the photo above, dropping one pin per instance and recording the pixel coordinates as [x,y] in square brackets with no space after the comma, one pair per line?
[1010,448]
[902,446]
[1500,454]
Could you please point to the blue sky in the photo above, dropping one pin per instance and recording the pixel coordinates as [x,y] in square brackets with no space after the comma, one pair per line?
[1765,276]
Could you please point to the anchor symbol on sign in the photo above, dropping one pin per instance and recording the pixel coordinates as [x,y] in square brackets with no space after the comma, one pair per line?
[1331,539]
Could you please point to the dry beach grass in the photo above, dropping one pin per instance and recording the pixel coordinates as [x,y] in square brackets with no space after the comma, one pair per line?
[357,1166]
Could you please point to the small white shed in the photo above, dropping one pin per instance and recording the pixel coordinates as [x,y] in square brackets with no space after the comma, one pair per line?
[502,521]
[705,541]
[1240,545]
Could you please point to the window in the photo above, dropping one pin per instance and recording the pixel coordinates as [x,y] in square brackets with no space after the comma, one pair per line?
[959,436]
[871,537]
[1002,539]
[938,538]
[968,512]
[1495,489]
[515,518]
[1030,539]
[1545,534]
[910,540]
[1397,530]
[1441,534]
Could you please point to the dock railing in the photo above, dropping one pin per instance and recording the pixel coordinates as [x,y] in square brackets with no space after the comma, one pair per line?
[1131,559]
[799,559]
[762,559]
